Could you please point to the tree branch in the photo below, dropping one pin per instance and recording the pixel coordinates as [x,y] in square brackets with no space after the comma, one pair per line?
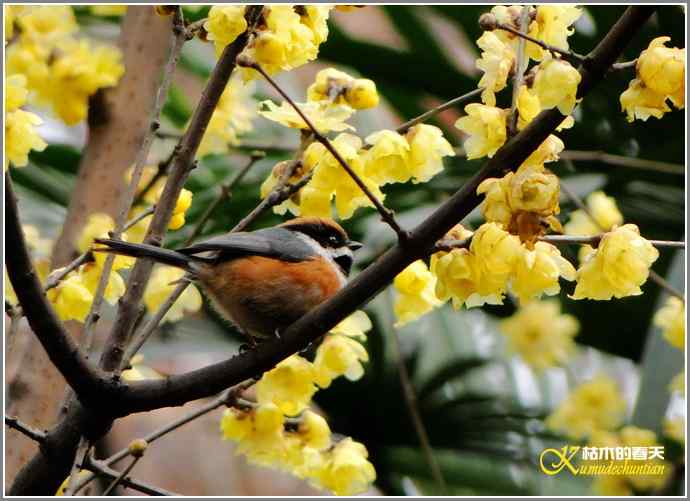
[619,160]
[567,54]
[403,128]
[86,380]
[105,471]
[25,429]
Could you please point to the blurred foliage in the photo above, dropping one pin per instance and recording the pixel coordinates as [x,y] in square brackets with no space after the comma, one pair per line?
[484,430]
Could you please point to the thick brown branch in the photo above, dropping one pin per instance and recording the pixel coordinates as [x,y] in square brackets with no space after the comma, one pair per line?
[87,381]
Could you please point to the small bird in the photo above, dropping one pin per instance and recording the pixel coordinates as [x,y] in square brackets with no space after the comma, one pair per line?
[261,281]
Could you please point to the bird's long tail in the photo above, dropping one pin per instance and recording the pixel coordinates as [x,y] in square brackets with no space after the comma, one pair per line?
[158,254]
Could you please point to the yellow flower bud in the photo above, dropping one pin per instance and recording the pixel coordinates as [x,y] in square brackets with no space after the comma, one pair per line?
[137,447]
[314,431]
[338,355]
[71,299]
[362,94]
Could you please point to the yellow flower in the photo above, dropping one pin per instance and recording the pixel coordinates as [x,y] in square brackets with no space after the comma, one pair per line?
[594,405]
[231,118]
[415,286]
[323,116]
[97,226]
[259,433]
[552,26]
[184,202]
[313,431]
[538,271]
[331,179]
[548,151]
[347,471]
[330,85]
[77,73]
[678,383]
[387,159]
[604,210]
[496,62]
[618,267]
[91,275]
[674,428]
[161,285]
[486,127]
[65,483]
[336,356]
[21,137]
[362,94]
[225,23]
[15,92]
[9,15]
[354,325]
[541,334]
[529,190]
[288,39]
[427,149]
[671,318]
[46,22]
[108,10]
[662,69]
[529,106]
[71,299]
[289,385]
[641,102]
[555,84]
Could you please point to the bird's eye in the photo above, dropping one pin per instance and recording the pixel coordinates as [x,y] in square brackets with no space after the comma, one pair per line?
[333,240]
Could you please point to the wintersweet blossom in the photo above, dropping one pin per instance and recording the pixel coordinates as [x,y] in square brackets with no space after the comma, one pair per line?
[640,102]
[225,23]
[592,406]
[336,356]
[427,149]
[20,126]
[555,84]
[338,87]
[662,69]
[602,208]
[540,334]
[671,318]
[415,287]
[552,25]
[387,159]
[289,385]
[347,471]
[538,270]
[161,285]
[486,127]
[619,266]
[324,116]
[497,59]
[71,299]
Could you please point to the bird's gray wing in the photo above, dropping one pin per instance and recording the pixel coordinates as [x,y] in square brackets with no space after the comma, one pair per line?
[270,242]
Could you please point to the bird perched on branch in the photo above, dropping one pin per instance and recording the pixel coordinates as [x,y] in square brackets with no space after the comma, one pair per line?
[261,281]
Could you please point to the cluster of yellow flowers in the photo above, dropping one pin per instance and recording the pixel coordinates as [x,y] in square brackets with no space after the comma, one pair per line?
[231,118]
[495,261]
[660,77]
[287,37]
[61,70]
[73,296]
[602,215]
[627,485]
[416,287]
[592,406]
[387,157]
[268,434]
[20,126]
[540,334]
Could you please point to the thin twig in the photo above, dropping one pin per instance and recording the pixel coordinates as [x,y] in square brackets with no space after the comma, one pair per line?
[54,279]
[79,459]
[619,160]
[594,240]
[567,54]
[105,471]
[149,328]
[121,476]
[195,27]
[386,214]
[520,66]
[225,194]
[139,217]
[401,129]
[412,407]
[624,65]
[654,276]
[25,429]
[225,398]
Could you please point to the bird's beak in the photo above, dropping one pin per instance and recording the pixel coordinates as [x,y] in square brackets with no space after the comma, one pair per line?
[352,245]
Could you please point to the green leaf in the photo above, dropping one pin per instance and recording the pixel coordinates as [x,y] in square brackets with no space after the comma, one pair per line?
[62,157]
[660,363]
